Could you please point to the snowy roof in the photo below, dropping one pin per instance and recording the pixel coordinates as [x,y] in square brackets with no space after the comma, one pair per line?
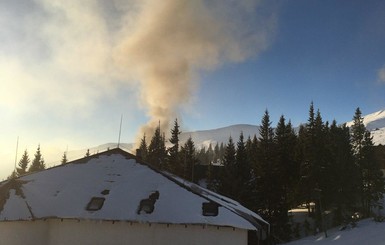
[122,182]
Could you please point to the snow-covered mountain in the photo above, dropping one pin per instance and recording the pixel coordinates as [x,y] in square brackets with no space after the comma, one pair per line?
[375,123]
[204,138]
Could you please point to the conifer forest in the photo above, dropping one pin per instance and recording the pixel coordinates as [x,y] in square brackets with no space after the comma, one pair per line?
[323,166]
[333,167]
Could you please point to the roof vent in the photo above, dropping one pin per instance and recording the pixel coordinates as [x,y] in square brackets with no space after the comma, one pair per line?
[148,205]
[105,192]
[210,209]
[95,204]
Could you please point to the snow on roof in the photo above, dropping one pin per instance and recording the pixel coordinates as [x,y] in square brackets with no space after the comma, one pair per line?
[122,182]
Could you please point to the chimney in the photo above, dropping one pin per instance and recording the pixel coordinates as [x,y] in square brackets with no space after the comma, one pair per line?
[139,154]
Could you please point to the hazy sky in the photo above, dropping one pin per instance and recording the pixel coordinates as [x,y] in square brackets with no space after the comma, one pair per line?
[70,69]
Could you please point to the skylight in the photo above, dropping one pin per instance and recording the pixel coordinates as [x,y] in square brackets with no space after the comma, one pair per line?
[209,209]
[95,204]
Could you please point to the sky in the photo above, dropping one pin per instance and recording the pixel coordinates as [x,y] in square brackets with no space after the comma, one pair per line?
[70,70]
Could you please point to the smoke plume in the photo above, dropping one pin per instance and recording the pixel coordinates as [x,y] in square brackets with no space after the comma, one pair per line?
[170,41]
[62,57]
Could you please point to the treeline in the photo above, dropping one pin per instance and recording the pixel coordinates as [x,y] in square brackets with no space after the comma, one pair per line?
[26,166]
[330,165]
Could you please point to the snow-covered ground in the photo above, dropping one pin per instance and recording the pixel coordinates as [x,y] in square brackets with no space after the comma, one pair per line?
[366,232]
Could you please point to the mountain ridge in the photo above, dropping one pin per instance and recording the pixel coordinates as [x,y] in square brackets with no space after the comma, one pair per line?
[374,122]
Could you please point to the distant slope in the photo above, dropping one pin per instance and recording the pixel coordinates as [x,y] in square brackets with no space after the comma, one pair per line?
[214,136]
[375,123]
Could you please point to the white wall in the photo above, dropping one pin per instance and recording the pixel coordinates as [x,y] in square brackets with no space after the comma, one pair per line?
[57,232]
[23,232]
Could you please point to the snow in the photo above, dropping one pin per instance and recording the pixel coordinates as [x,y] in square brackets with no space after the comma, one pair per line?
[15,208]
[375,123]
[204,138]
[65,191]
[378,136]
[230,204]
[366,232]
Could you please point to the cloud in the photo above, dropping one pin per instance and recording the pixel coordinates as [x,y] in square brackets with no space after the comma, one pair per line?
[56,56]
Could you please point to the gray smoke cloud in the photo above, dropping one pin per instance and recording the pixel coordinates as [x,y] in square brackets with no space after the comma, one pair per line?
[92,49]
[170,41]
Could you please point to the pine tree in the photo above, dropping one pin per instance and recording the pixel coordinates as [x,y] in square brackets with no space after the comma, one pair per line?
[344,174]
[38,162]
[371,180]
[87,153]
[203,156]
[272,186]
[285,141]
[143,148]
[13,175]
[293,165]
[313,160]
[267,192]
[243,174]
[189,159]
[157,150]
[64,159]
[221,151]
[212,173]
[252,154]
[357,140]
[173,158]
[357,134]
[226,178]
[23,164]
[42,164]
[217,155]
[210,155]
[321,162]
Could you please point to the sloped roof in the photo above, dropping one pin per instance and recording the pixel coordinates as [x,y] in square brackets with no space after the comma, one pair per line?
[123,181]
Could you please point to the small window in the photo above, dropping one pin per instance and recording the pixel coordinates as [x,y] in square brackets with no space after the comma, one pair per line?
[209,209]
[95,204]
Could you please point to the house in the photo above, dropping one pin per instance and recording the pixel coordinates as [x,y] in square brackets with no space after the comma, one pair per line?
[114,198]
